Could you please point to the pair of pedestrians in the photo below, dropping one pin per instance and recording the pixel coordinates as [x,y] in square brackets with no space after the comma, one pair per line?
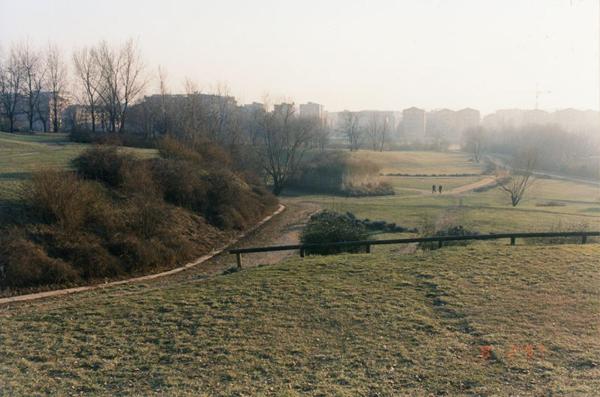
[438,189]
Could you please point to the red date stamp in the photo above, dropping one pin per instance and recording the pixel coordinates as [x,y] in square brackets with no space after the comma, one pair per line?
[527,351]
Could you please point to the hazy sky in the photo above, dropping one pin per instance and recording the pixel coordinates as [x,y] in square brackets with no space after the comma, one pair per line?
[346,54]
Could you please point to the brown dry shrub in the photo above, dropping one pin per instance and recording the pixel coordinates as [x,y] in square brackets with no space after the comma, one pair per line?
[196,150]
[137,179]
[172,148]
[231,203]
[181,183]
[25,264]
[60,197]
[84,251]
[104,164]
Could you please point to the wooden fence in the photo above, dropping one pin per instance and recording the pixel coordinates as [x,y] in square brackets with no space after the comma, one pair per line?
[440,240]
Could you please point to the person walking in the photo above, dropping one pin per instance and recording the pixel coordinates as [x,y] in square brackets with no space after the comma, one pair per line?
[440,189]
[432,189]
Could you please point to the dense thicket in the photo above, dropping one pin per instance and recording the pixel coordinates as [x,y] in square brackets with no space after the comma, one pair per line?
[341,173]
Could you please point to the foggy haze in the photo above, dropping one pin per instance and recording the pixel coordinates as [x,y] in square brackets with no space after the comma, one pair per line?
[345,54]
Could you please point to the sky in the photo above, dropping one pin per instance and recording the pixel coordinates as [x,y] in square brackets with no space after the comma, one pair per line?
[345,54]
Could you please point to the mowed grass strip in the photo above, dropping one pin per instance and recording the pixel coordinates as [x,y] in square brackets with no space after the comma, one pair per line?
[22,154]
[476,320]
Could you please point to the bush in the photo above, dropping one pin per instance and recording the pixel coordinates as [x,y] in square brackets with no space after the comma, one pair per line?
[181,183]
[171,148]
[332,227]
[368,189]
[339,173]
[84,251]
[25,264]
[104,164]
[60,197]
[199,151]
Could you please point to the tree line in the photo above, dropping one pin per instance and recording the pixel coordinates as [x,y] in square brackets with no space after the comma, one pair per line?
[106,79]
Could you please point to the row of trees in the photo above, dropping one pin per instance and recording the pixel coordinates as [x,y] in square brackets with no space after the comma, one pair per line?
[106,79]
[24,74]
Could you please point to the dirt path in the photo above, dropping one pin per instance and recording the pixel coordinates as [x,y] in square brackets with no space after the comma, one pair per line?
[472,186]
[283,228]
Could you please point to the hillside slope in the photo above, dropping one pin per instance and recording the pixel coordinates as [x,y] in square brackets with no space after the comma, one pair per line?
[482,320]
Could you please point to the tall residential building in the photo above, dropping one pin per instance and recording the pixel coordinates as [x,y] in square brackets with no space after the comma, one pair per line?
[311,110]
[285,108]
[413,124]
[467,119]
[441,124]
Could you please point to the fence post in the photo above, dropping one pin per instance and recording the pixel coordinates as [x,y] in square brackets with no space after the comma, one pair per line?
[368,248]
[301,252]
[238,258]
[584,239]
[440,243]
[512,240]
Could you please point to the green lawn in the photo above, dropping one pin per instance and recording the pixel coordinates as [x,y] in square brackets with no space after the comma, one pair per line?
[549,204]
[415,162]
[478,320]
[22,154]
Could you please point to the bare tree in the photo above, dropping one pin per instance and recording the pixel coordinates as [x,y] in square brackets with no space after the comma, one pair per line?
[378,128]
[474,141]
[56,81]
[352,129]
[519,179]
[131,79]
[107,61]
[121,80]
[33,76]
[322,133]
[285,142]
[164,121]
[88,76]
[11,80]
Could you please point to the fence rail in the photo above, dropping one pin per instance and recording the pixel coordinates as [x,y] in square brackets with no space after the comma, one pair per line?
[440,240]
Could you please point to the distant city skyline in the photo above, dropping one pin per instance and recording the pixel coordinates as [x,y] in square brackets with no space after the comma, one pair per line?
[353,54]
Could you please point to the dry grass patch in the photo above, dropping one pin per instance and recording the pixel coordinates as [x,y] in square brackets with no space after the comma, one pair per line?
[381,324]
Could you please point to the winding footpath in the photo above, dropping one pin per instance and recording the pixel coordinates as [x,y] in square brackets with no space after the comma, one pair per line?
[280,228]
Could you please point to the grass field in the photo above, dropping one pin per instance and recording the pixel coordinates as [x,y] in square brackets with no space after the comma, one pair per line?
[549,204]
[415,162]
[21,154]
[478,320]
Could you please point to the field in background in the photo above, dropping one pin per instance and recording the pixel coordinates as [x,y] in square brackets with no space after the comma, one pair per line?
[415,162]
[476,320]
[550,204]
[22,154]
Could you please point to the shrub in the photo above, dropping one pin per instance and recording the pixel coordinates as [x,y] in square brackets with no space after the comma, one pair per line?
[137,179]
[181,183]
[26,264]
[172,148]
[103,163]
[339,173]
[60,197]
[231,203]
[332,227]
[199,151]
[368,189]
[84,251]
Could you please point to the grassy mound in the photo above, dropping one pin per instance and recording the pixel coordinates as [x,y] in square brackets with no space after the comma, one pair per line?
[478,320]
[119,215]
